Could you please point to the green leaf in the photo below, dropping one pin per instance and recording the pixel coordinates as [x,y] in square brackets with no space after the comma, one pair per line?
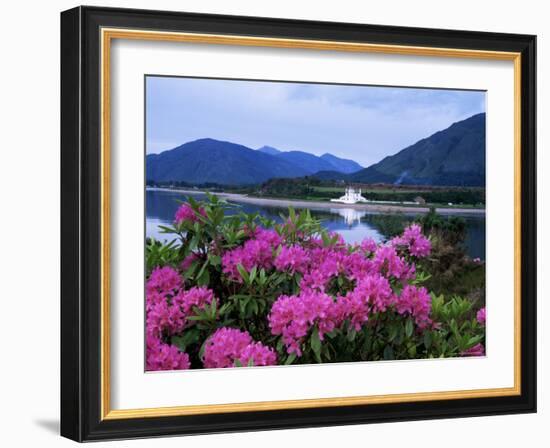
[165,229]
[388,353]
[473,341]
[253,272]
[428,339]
[394,329]
[243,273]
[262,277]
[215,260]
[213,309]
[409,328]
[204,278]
[188,338]
[315,343]
[290,359]
[291,214]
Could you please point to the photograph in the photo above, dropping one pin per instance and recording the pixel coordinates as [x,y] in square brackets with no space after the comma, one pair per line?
[282,221]
[297,223]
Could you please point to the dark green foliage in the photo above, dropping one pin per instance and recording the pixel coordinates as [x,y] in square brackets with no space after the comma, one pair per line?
[389,225]
[453,272]
[469,196]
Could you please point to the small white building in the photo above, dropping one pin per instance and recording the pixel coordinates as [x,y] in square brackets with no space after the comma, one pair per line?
[352,196]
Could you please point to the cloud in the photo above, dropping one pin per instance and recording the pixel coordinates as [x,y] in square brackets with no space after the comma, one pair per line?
[363,123]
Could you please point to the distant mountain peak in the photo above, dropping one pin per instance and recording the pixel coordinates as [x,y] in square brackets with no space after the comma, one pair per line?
[269,150]
[343,165]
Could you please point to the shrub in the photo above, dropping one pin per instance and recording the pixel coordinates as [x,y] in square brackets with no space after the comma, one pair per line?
[232,291]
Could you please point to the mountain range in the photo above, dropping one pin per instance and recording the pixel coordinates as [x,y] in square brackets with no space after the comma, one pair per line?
[213,161]
[454,157]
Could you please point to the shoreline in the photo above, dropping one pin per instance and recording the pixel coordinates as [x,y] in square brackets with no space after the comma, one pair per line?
[300,203]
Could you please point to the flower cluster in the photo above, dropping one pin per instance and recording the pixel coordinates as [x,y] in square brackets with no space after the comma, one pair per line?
[168,307]
[481,316]
[257,251]
[294,316]
[292,258]
[390,264]
[415,242]
[257,354]
[417,303]
[373,294]
[162,281]
[228,345]
[161,356]
[186,213]
[168,316]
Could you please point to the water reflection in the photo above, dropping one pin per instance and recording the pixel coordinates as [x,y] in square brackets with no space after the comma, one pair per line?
[353,225]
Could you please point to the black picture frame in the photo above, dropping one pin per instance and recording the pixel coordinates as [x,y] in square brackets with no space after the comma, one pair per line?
[81,224]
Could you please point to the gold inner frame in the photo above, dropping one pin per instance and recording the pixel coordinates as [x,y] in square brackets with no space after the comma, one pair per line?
[107,35]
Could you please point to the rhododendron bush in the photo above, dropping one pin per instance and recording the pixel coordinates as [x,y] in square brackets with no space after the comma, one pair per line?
[240,290]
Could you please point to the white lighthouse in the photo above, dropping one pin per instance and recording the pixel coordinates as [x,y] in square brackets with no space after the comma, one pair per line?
[352,196]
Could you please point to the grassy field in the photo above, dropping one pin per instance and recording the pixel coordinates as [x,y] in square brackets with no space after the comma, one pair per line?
[443,197]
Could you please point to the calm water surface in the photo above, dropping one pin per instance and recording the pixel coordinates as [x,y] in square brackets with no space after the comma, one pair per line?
[353,225]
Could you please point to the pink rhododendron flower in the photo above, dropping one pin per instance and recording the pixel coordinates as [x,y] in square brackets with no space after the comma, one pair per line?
[293,316]
[358,266]
[164,319]
[269,236]
[476,350]
[417,303]
[186,213]
[197,296]
[481,316]
[224,346]
[160,356]
[227,345]
[168,316]
[325,264]
[389,264]
[372,294]
[254,252]
[368,245]
[163,280]
[188,261]
[373,291]
[415,241]
[293,259]
[258,354]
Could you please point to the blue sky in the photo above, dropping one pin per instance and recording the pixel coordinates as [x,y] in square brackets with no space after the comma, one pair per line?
[363,123]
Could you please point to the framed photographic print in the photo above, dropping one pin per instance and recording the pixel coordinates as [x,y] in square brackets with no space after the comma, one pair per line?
[273,223]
